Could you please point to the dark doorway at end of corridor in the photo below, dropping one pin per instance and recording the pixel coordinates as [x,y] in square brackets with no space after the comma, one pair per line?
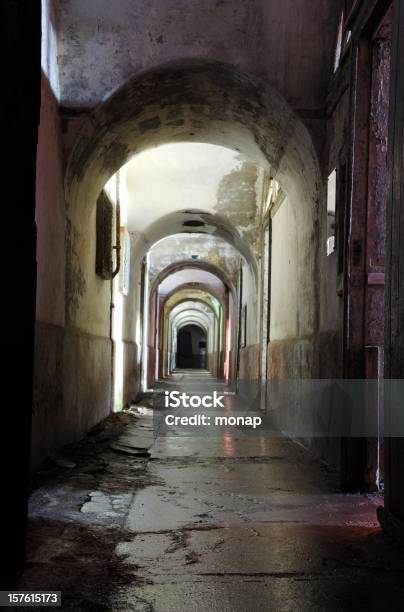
[191,348]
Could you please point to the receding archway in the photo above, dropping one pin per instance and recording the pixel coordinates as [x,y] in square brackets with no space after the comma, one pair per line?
[220,298]
[192,101]
[197,101]
[204,102]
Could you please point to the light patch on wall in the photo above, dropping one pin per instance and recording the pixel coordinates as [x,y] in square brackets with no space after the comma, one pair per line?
[110,188]
[190,275]
[49,48]
[331,206]
[124,275]
[116,187]
[117,328]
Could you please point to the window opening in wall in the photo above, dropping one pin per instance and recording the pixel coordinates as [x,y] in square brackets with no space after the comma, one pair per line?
[341,212]
[104,230]
[273,194]
[331,207]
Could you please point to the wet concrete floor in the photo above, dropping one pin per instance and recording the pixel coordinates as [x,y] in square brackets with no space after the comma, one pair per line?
[224,522]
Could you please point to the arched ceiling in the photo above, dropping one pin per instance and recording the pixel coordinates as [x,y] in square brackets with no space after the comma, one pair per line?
[183,177]
[187,318]
[193,101]
[187,276]
[189,266]
[180,318]
[197,101]
[202,249]
[196,304]
[192,295]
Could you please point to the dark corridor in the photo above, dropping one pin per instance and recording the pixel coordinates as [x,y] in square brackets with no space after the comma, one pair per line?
[211,206]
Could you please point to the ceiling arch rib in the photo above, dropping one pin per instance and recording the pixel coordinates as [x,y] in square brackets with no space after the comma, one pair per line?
[192,265]
[212,102]
[191,304]
[186,293]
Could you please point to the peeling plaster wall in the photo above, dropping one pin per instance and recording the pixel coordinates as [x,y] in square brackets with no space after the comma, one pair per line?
[239,197]
[197,176]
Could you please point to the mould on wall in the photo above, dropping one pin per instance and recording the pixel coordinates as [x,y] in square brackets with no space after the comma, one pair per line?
[75,279]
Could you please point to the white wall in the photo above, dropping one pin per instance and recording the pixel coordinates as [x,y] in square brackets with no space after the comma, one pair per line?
[284,274]
[250,298]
